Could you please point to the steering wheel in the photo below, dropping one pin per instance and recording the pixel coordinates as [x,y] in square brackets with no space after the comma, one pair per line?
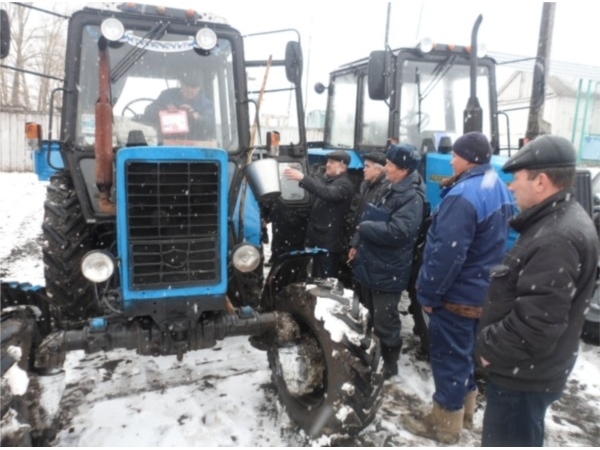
[411,120]
[128,107]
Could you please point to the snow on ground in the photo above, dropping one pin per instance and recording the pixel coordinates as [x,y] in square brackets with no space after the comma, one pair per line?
[223,396]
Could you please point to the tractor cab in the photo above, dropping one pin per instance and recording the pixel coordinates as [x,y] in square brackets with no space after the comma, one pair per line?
[422,95]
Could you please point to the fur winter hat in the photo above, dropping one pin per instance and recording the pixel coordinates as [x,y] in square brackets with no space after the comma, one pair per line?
[405,156]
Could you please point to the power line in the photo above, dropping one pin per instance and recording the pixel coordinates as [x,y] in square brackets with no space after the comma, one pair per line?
[46,11]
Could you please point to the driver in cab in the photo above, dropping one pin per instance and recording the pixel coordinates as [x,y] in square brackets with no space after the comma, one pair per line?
[183,113]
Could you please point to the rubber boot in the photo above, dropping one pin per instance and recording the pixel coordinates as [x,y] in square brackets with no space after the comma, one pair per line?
[390,357]
[440,424]
[470,403]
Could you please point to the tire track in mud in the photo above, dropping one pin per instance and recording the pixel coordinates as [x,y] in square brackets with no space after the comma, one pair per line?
[25,255]
[578,414]
[120,381]
[30,248]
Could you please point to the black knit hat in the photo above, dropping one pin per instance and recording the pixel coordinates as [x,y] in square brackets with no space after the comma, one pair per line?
[339,155]
[543,152]
[405,156]
[376,157]
[191,79]
[473,147]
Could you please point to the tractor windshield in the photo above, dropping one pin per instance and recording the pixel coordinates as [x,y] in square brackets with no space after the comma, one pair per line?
[433,98]
[163,90]
[428,102]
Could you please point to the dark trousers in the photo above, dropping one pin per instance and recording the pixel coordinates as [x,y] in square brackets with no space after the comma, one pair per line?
[325,265]
[452,351]
[383,314]
[515,418]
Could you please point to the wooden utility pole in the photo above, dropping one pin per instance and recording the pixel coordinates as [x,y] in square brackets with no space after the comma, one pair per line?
[540,72]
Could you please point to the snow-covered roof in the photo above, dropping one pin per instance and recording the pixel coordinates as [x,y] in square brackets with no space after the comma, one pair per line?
[565,70]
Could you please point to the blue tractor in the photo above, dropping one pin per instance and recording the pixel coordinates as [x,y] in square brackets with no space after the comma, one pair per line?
[152,231]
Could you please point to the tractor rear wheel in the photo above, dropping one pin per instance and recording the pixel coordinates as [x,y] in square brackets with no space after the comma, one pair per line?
[67,239]
[329,376]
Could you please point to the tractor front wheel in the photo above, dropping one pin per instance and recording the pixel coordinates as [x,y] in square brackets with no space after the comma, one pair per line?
[329,375]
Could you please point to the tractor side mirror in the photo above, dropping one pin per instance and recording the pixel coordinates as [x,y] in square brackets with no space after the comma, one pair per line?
[5,34]
[293,62]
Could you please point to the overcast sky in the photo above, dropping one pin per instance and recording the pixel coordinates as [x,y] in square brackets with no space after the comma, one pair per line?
[334,33]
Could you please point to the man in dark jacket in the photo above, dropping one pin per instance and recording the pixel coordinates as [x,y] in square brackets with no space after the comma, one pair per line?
[187,98]
[327,223]
[383,253]
[370,190]
[532,319]
[467,237]
[288,226]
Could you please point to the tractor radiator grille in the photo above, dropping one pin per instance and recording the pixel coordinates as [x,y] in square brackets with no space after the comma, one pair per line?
[173,218]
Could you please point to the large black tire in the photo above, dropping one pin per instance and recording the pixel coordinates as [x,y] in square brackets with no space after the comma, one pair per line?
[18,333]
[28,417]
[338,385]
[67,238]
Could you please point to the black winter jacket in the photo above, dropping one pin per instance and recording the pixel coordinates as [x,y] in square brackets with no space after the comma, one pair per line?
[369,193]
[327,223]
[534,311]
[385,249]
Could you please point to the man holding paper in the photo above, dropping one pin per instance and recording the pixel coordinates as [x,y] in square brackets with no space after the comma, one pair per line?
[183,112]
[383,254]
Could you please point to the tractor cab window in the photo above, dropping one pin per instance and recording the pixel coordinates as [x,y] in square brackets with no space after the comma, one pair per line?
[433,97]
[375,118]
[273,95]
[163,92]
[342,111]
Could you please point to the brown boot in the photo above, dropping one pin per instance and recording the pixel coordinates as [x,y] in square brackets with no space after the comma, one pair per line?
[440,424]
[470,403]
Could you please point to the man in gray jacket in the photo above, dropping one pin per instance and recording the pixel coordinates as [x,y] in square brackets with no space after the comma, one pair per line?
[528,337]
[370,190]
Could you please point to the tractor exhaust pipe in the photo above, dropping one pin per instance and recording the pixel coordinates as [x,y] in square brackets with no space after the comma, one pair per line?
[104,121]
[473,114]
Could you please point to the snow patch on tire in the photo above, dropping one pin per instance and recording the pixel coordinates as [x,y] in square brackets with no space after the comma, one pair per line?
[330,311]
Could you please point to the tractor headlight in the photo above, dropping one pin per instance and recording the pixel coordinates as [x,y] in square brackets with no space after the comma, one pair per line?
[112,29]
[206,39]
[97,266]
[246,258]
[426,45]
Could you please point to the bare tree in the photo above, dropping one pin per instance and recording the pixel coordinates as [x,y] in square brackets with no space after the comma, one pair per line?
[38,43]
[50,59]
[18,18]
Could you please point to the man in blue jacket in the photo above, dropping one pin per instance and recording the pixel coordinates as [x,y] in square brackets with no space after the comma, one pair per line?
[383,251]
[467,237]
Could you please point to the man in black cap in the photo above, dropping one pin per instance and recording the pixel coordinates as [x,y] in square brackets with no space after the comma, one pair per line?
[467,237]
[383,248]
[370,189]
[327,223]
[528,338]
[189,99]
